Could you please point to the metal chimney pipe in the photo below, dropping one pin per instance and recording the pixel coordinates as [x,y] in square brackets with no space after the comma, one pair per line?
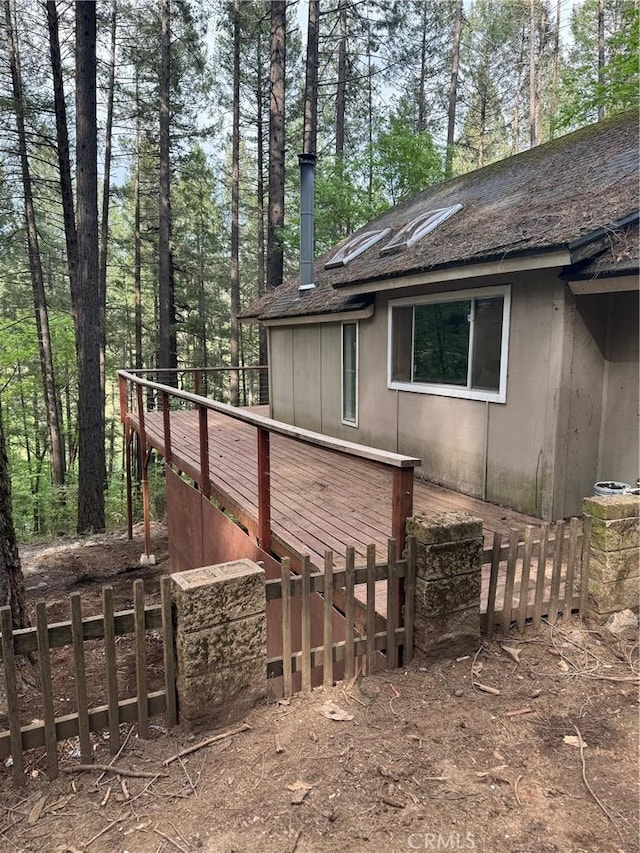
[307,179]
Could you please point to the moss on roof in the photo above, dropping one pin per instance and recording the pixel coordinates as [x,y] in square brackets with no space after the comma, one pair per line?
[536,201]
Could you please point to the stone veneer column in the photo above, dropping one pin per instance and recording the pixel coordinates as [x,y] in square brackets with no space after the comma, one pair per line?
[448,580]
[614,564]
[221,642]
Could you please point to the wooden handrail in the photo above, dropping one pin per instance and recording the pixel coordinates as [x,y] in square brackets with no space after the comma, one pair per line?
[350,448]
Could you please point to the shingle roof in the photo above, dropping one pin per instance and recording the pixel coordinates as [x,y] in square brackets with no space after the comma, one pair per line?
[533,202]
[621,257]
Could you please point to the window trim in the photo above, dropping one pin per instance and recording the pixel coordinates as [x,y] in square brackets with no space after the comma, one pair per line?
[499,396]
[351,423]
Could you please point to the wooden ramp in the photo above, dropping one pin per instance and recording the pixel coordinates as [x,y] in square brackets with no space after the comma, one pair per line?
[320,500]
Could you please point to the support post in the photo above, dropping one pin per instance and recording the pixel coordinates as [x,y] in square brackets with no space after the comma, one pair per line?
[401,505]
[264,490]
[127,455]
[205,483]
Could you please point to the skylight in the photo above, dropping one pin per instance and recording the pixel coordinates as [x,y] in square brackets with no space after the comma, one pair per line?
[356,246]
[419,227]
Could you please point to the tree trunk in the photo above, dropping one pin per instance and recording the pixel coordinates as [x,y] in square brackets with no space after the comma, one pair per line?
[91,438]
[12,591]
[533,87]
[235,224]
[310,127]
[137,247]
[341,94]
[600,60]
[453,89]
[553,106]
[167,351]
[64,159]
[262,332]
[275,225]
[422,104]
[56,444]
[106,187]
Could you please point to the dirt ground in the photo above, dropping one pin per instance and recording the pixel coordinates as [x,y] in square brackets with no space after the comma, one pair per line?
[427,761]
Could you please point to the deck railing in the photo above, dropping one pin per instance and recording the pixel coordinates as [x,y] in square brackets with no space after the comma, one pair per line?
[401,467]
[251,381]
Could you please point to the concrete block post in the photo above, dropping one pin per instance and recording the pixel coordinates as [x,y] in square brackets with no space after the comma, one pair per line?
[614,562]
[221,642]
[448,581]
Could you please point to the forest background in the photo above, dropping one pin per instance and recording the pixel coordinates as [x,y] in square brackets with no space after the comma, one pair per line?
[149,181]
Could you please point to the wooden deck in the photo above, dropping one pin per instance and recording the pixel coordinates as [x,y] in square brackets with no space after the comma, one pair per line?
[319,499]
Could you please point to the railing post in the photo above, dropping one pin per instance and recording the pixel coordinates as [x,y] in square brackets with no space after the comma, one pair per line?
[123,394]
[264,490]
[144,483]
[196,382]
[401,505]
[166,421]
[205,483]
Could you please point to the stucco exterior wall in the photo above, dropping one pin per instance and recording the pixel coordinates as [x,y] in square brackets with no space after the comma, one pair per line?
[619,439]
[539,451]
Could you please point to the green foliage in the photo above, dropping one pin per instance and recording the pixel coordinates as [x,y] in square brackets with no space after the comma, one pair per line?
[582,94]
[405,162]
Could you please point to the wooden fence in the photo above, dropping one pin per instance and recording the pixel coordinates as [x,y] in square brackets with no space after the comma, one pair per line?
[534,578]
[363,645]
[39,640]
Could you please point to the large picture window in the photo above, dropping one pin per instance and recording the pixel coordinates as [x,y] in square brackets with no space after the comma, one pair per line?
[350,373]
[452,344]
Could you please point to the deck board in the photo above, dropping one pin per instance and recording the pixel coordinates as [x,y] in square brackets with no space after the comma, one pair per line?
[319,499]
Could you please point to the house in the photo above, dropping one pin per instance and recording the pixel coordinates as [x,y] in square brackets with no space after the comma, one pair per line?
[488,326]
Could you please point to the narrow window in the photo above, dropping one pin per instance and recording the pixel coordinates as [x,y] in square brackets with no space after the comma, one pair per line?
[350,373]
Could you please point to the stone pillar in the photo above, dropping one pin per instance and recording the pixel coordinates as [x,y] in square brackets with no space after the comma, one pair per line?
[614,564]
[448,580]
[221,642]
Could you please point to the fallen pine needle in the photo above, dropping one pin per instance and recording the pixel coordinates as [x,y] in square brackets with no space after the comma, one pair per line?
[515,790]
[588,786]
[111,768]
[171,841]
[102,832]
[486,688]
[245,727]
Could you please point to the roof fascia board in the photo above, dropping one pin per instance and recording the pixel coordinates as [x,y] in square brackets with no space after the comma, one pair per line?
[506,265]
[611,284]
[306,319]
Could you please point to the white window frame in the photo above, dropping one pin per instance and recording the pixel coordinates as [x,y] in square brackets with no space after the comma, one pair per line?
[354,422]
[468,393]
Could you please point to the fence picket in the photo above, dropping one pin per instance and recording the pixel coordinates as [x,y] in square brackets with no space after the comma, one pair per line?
[507,605]
[327,667]
[541,575]
[44,667]
[80,678]
[349,661]
[554,601]
[286,627]
[493,583]
[524,578]
[371,608]
[392,604]
[11,690]
[111,669]
[168,652]
[141,659]
[409,599]
[572,554]
[306,625]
